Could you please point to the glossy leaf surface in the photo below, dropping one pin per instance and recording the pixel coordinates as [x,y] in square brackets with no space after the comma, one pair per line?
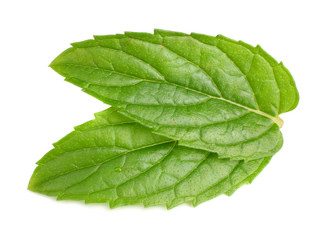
[116,160]
[209,93]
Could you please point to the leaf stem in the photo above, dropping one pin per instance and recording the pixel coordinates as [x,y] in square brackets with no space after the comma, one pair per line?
[278,121]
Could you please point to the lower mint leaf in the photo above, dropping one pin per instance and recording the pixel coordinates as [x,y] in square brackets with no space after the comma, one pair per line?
[113,159]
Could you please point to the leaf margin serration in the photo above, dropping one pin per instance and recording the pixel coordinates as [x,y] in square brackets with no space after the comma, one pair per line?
[89,43]
[175,202]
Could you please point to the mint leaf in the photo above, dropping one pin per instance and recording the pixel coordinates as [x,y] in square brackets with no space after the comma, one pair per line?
[116,160]
[209,93]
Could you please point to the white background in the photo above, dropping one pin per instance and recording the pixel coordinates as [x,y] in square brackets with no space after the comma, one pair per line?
[38,108]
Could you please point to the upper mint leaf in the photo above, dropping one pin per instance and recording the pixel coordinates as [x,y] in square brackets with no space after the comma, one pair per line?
[210,93]
[113,159]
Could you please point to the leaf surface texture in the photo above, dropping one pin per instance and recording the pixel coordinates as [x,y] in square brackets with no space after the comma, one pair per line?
[209,93]
[116,160]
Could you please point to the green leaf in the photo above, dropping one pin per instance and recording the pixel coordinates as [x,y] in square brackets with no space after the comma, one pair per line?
[209,93]
[116,160]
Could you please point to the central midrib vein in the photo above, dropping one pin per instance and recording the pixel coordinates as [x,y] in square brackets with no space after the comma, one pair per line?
[276,120]
[108,159]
